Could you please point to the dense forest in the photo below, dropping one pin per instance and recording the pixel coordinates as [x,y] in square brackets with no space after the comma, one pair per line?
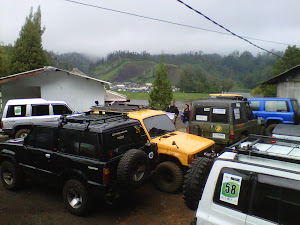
[192,72]
[240,70]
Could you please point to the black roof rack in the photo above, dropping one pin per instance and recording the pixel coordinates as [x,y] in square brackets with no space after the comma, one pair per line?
[248,146]
[94,118]
[120,107]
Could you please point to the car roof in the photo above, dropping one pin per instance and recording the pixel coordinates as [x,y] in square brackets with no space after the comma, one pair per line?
[265,151]
[31,101]
[217,102]
[273,99]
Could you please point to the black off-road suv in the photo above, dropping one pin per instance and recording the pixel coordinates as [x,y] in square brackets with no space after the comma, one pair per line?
[84,154]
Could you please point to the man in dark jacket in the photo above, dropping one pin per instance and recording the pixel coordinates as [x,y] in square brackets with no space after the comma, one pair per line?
[173,109]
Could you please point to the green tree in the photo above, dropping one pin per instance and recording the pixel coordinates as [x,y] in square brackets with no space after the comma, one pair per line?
[291,58]
[28,53]
[4,59]
[161,94]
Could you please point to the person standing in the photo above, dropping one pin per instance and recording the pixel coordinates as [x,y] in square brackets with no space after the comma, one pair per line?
[173,109]
[186,117]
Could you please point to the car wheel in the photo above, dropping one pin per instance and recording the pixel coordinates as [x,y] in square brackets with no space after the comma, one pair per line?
[10,176]
[133,168]
[22,133]
[194,181]
[270,129]
[76,197]
[168,177]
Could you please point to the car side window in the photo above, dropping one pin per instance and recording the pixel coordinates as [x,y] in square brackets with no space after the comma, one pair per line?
[277,199]
[43,137]
[40,110]
[254,105]
[61,109]
[16,111]
[76,142]
[276,106]
[233,189]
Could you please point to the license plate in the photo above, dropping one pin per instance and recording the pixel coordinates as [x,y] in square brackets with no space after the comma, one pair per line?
[218,135]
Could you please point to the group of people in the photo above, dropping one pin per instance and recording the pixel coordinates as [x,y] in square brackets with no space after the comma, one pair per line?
[184,114]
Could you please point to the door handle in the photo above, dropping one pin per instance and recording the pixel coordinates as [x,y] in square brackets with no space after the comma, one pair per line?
[47,155]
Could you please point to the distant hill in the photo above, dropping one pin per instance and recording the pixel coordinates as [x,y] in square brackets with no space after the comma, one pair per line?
[245,70]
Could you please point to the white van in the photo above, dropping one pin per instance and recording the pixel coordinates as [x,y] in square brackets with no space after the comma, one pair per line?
[20,115]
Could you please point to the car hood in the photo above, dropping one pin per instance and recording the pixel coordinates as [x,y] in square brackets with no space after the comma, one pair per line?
[186,143]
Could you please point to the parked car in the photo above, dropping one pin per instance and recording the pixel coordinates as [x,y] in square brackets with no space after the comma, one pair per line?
[86,155]
[176,150]
[286,131]
[256,181]
[20,115]
[225,121]
[275,111]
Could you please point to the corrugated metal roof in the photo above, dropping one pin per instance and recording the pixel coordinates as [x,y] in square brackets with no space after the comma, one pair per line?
[283,76]
[43,70]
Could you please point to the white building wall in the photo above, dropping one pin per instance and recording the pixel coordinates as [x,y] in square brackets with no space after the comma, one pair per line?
[80,93]
[289,89]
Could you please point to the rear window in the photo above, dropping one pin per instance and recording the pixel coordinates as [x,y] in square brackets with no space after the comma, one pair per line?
[295,105]
[219,115]
[61,109]
[16,111]
[276,106]
[202,114]
[254,105]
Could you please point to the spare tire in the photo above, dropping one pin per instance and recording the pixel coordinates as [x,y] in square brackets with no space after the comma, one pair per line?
[133,168]
[194,181]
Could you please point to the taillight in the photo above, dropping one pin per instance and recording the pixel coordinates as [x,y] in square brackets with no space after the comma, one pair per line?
[231,135]
[273,142]
[106,176]
[1,124]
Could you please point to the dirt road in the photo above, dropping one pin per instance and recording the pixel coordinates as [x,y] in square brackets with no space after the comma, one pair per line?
[40,204]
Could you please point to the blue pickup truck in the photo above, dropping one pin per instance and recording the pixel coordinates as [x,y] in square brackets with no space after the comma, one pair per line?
[275,111]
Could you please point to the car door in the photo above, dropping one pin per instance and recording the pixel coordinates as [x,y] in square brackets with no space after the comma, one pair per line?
[42,147]
[43,113]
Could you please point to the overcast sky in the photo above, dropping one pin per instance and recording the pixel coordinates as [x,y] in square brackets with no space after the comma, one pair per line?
[77,28]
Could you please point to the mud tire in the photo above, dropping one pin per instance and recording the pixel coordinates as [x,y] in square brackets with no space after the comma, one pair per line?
[76,197]
[168,177]
[270,129]
[11,177]
[194,181]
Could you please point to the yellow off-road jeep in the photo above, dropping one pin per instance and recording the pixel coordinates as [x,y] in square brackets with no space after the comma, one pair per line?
[176,150]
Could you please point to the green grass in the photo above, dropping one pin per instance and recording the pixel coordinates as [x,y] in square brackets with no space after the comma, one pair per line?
[177,95]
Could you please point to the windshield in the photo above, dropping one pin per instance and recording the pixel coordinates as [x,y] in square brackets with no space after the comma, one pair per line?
[159,125]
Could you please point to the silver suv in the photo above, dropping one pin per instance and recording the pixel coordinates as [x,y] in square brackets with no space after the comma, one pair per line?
[20,115]
[256,181]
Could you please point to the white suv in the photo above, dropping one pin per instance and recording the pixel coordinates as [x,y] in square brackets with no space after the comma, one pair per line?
[20,115]
[257,181]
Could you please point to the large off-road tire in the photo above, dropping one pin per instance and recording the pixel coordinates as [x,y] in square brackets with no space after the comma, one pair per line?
[22,133]
[262,130]
[270,129]
[76,197]
[168,177]
[133,168]
[11,177]
[194,181]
